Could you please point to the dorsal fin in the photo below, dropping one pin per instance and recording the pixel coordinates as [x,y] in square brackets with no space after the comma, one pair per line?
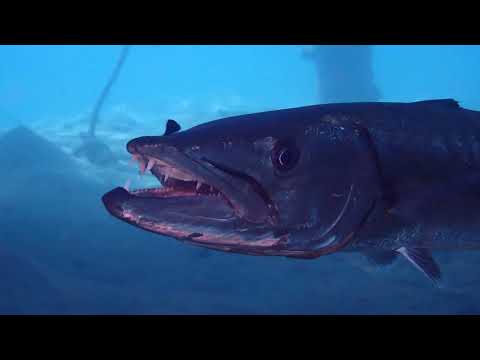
[423,261]
[171,127]
[451,103]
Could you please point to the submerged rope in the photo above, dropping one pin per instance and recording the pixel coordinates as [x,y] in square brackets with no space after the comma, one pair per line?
[106,90]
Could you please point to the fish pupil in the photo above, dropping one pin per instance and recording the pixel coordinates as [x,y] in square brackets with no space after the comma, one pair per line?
[286,155]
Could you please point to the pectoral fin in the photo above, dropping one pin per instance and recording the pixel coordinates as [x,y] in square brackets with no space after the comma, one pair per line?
[423,261]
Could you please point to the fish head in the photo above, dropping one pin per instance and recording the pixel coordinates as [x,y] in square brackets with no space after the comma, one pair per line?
[261,184]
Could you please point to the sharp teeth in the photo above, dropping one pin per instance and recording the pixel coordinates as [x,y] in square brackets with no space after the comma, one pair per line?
[142,167]
[198,185]
[211,188]
[166,178]
[150,164]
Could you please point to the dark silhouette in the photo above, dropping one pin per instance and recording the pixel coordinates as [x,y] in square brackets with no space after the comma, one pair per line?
[344,73]
[93,149]
[106,90]
[383,179]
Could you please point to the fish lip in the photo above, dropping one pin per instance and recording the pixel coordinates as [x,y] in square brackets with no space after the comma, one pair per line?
[114,201]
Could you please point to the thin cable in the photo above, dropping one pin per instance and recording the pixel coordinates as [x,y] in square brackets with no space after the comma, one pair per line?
[106,90]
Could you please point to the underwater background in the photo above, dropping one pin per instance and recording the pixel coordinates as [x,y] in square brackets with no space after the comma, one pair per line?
[62,253]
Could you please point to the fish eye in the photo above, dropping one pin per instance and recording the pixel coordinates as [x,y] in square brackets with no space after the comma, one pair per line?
[285,155]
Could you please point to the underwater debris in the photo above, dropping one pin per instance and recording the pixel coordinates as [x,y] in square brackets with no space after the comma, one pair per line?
[47,204]
[344,72]
[33,150]
[96,151]
[106,90]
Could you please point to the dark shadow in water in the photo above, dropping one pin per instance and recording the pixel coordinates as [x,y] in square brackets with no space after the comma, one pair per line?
[344,72]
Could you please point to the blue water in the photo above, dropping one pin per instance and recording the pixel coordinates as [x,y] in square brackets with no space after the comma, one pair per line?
[60,252]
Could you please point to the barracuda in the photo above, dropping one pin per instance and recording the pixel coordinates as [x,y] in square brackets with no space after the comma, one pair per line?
[386,179]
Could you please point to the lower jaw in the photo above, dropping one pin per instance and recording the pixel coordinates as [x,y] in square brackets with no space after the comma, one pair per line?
[231,241]
[227,239]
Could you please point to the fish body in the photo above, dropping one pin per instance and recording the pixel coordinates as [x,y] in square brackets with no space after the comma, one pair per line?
[386,179]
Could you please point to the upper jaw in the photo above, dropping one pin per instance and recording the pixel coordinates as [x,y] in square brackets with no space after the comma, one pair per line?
[164,157]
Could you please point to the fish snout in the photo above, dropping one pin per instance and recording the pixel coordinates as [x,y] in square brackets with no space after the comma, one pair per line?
[138,145]
[114,199]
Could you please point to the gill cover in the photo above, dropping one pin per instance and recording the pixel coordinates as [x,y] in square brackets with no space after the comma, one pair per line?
[348,161]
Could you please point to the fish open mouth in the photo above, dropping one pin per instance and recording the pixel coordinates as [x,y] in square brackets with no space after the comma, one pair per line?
[196,198]
[176,186]
[174,182]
